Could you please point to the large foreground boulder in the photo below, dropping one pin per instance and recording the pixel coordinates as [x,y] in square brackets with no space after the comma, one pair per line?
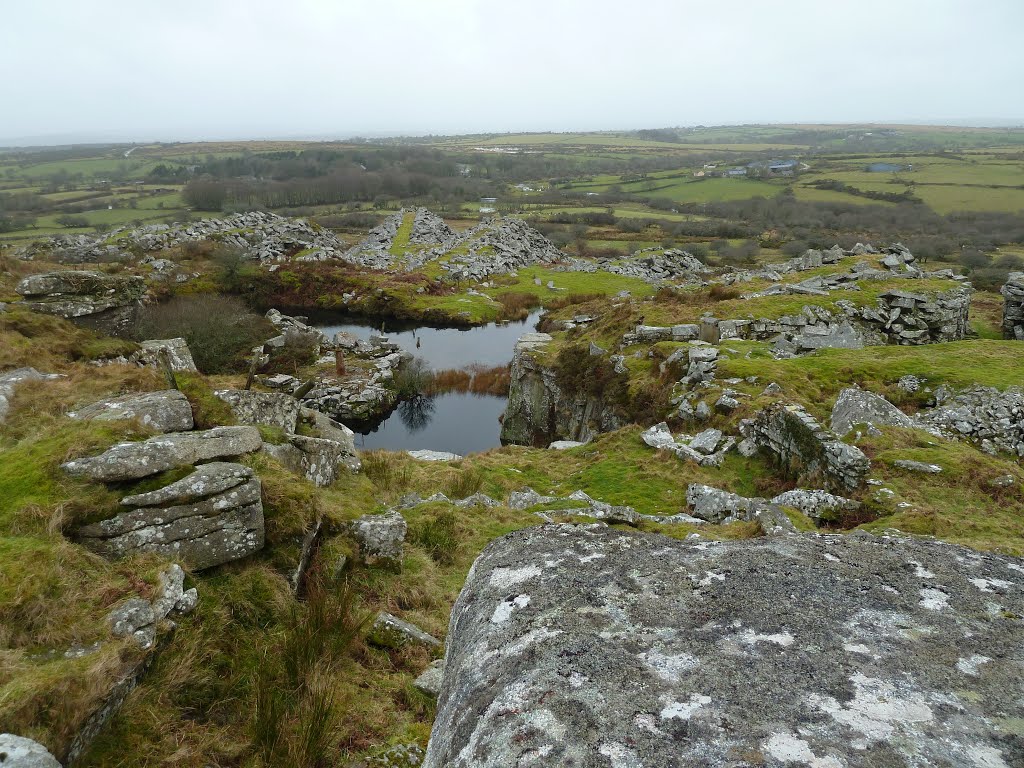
[131,461]
[165,411]
[213,516]
[590,646]
[19,752]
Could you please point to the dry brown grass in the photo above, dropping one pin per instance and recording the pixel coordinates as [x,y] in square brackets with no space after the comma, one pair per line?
[477,380]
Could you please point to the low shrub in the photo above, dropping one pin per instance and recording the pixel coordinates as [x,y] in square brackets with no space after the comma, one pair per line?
[220,330]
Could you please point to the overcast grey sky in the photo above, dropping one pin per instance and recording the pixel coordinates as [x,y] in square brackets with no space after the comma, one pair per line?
[214,69]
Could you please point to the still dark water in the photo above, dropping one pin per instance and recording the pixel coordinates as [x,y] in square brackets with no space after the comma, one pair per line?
[442,348]
[455,422]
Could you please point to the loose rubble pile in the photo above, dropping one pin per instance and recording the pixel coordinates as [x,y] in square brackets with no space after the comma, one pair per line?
[654,265]
[991,418]
[850,653]
[899,317]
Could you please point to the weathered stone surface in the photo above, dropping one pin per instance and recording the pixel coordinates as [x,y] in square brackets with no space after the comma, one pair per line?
[431,678]
[803,447]
[73,293]
[131,461]
[19,752]
[10,380]
[857,406]
[320,461]
[425,455]
[381,538]
[539,413]
[134,618]
[165,411]
[1013,306]
[993,419]
[917,466]
[213,516]
[388,631]
[327,428]
[177,351]
[815,503]
[270,409]
[822,651]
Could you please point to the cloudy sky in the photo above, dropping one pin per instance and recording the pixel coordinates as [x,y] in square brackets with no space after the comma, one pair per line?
[145,70]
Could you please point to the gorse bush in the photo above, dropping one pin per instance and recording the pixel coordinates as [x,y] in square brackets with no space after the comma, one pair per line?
[220,331]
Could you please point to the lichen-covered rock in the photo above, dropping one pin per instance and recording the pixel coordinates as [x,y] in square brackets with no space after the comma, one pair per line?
[1013,306]
[426,455]
[816,504]
[381,538]
[74,293]
[319,461]
[19,752]
[270,409]
[210,517]
[388,631]
[165,411]
[431,678]
[803,447]
[857,406]
[177,352]
[993,419]
[131,461]
[591,646]
[327,428]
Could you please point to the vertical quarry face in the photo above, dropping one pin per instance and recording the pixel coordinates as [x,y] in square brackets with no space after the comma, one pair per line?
[589,646]
[539,413]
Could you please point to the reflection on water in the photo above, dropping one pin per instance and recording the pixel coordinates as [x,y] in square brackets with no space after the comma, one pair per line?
[456,422]
[488,345]
[416,413]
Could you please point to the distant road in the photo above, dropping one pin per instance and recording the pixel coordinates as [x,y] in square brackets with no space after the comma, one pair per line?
[130,151]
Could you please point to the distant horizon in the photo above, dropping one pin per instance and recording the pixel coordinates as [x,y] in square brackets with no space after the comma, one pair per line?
[66,139]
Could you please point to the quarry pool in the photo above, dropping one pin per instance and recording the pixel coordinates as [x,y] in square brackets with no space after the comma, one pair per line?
[456,422]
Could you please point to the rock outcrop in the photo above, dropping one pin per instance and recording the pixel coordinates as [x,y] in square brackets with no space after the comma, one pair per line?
[213,516]
[270,409]
[804,448]
[1013,306]
[165,411]
[107,299]
[175,350]
[318,460]
[132,461]
[857,406]
[539,413]
[592,646]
